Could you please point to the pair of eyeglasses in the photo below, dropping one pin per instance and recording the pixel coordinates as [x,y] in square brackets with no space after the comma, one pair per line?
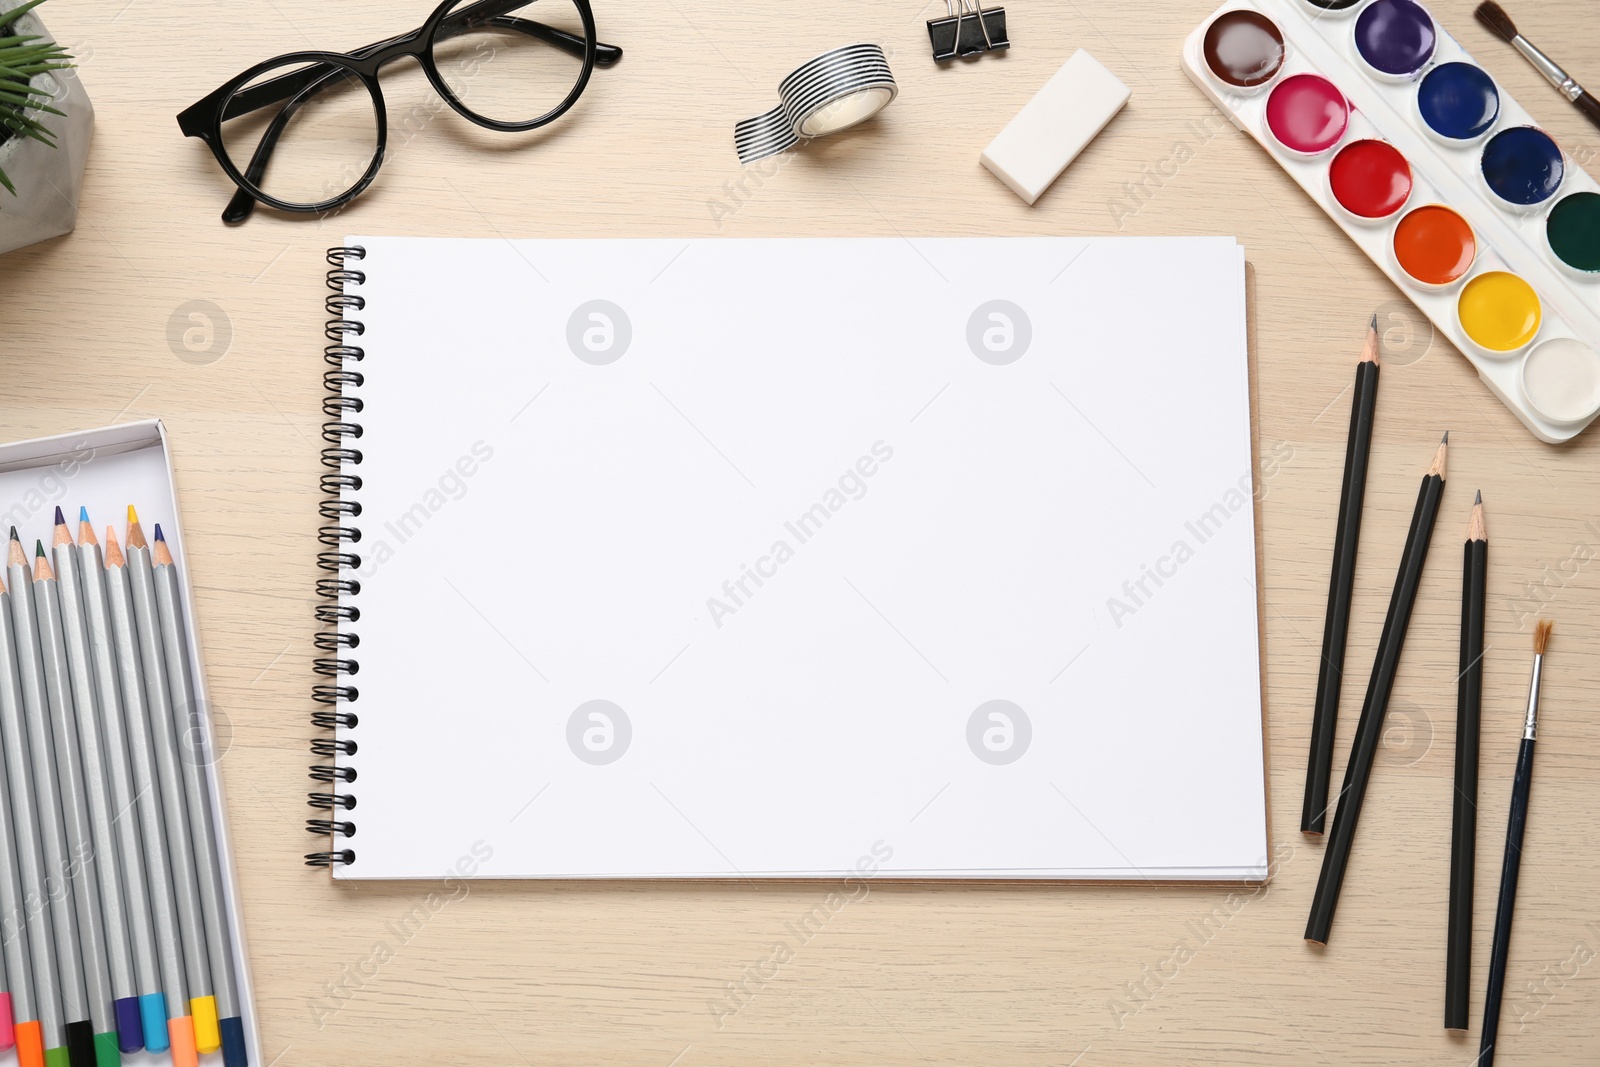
[307,131]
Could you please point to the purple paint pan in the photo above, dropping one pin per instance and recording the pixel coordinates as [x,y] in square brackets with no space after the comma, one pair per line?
[1395,38]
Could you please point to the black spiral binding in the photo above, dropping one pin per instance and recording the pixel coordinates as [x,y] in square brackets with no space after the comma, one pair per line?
[337,558]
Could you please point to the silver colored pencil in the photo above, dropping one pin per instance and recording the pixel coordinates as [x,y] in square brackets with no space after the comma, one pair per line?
[147,788]
[65,729]
[21,859]
[57,889]
[86,699]
[194,765]
[174,809]
[114,734]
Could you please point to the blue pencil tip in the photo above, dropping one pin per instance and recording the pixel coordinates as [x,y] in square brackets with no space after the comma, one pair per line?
[153,1017]
[61,520]
[235,1053]
[83,514]
[159,535]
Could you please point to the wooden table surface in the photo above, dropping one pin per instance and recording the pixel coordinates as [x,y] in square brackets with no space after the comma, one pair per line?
[633,973]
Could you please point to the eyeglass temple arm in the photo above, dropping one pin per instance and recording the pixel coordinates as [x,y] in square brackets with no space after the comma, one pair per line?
[309,82]
[243,204]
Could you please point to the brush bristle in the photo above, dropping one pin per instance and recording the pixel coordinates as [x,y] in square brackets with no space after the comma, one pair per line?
[1541,636]
[1494,16]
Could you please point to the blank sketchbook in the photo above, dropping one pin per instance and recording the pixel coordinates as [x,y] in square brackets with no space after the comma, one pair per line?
[792,558]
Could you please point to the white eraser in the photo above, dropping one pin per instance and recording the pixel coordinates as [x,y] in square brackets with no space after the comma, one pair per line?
[1053,127]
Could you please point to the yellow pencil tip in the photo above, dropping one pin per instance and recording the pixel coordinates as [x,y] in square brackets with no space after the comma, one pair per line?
[207,1036]
[133,516]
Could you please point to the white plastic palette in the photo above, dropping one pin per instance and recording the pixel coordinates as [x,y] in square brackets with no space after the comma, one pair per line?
[1553,388]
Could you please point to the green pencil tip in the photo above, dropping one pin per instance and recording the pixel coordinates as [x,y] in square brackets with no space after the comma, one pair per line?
[106,1053]
[38,548]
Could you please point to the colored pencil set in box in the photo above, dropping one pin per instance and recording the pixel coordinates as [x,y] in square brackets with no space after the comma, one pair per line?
[1437,174]
[117,900]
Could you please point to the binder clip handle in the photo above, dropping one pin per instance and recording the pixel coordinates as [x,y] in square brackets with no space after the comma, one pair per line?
[969,29]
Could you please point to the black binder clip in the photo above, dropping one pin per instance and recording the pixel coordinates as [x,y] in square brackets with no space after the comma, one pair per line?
[968,30]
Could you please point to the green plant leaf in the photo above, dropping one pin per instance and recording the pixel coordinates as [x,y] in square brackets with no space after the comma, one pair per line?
[22,57]
[16,12]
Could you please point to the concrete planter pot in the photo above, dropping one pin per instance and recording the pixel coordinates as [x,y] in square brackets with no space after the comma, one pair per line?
[48,180]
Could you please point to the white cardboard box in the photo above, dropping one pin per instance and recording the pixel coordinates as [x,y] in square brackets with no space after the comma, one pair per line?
[105,470]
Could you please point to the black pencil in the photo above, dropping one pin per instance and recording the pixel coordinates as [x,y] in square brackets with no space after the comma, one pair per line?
[1330,672]
[1516,825]
[1369,728]
[1464,821]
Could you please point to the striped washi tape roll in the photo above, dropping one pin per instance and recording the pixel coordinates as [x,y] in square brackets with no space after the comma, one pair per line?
[827,94]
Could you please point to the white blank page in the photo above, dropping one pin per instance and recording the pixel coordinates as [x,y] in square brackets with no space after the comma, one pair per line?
[797,511]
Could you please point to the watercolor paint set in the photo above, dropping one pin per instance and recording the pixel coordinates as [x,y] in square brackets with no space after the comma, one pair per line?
[1435,171]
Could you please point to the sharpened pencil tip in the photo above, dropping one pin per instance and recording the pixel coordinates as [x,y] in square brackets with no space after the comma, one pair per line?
[135,531]
[1479,498]
[114,557]
[1373,325]
[61,520]
[83,514]
[1445,439]
[14,536]
[159,535]
[38,548]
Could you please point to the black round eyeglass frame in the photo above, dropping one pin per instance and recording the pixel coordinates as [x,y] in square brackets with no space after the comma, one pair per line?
[204,118]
